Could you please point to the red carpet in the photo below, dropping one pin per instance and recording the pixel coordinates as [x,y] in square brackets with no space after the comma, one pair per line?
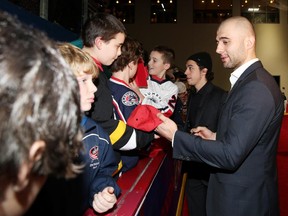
[282,160]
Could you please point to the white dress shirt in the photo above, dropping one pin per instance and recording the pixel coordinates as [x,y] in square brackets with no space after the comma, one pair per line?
[239,71]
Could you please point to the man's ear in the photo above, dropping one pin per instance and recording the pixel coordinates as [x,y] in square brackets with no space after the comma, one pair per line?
[35,154]
[98,42]
[249,42]
[204,71]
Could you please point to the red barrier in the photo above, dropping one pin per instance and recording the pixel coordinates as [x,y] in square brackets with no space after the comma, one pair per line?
[153,176]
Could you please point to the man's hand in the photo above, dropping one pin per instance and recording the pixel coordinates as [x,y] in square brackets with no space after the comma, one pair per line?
[204,133]
[167,128]
[104,200]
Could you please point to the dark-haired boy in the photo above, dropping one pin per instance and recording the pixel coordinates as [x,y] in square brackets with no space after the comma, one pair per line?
[40,128]
[103,36]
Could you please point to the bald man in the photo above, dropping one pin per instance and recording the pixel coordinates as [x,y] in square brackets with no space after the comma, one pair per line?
[243,151]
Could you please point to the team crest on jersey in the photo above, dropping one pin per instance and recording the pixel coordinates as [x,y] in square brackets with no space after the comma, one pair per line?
[130,99]
[154,97]
[93,153]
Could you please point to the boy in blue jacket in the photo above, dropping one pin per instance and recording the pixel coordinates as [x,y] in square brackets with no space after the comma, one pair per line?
[99,189]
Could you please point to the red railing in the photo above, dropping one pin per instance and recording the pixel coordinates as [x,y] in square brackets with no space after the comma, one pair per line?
[152,186]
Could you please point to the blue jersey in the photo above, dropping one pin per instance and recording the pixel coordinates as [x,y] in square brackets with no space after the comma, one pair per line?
[125,100]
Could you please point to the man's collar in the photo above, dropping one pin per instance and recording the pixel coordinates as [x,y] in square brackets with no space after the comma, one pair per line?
[239,71]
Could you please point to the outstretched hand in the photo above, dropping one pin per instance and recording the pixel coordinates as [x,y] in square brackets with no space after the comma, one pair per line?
[167,128]
[104,200]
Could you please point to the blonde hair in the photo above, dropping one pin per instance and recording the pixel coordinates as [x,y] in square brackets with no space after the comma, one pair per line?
[80,61]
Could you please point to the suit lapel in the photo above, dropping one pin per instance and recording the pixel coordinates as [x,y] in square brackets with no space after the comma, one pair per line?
[246,73]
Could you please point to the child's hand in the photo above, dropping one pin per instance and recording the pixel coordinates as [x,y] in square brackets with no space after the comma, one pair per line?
[104,200]
[134,86]
[136,89]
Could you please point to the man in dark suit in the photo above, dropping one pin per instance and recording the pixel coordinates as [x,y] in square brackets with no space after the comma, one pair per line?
[244,149]
[204,103]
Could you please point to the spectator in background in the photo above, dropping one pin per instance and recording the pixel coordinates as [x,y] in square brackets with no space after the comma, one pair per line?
[40,129]
[170,75]
[204,105]
[103,36]
[180,76]
[180,112]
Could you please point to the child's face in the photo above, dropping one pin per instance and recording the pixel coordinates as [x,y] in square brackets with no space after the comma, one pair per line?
[156,65]
[111,49]
[87,90]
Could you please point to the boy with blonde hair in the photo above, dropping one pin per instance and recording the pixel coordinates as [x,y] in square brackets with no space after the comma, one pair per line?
[99,188]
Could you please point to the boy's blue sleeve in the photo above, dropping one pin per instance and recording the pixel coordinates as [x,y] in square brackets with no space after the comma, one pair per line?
[100,160]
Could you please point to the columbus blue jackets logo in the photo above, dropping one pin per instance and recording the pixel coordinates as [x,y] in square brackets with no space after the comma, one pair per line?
[93,153]
[130,99]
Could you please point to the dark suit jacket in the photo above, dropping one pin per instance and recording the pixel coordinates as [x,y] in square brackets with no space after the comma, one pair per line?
[245,183]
